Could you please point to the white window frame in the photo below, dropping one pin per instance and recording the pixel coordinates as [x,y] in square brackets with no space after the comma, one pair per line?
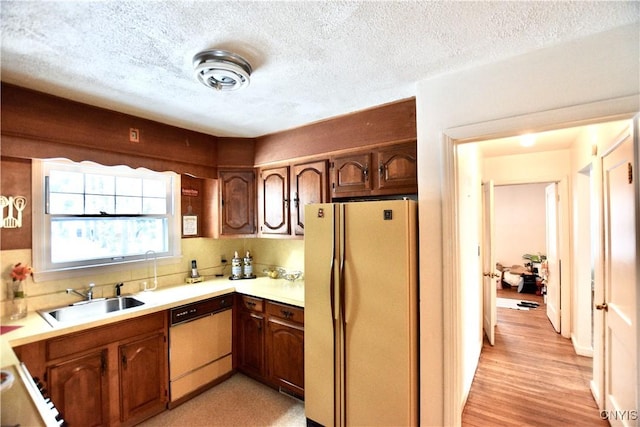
[45,270]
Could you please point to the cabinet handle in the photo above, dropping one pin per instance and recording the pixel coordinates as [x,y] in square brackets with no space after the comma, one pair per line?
[296,200]
[124,361]
[365,173]
[286,203]
[287,314]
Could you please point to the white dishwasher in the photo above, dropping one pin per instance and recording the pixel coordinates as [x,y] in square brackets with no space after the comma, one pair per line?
[199,346]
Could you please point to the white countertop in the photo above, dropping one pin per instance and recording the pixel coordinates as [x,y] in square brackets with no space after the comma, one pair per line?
[35,328]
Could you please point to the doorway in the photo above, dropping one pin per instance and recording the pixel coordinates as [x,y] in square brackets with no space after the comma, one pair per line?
[520,244]
[512,168]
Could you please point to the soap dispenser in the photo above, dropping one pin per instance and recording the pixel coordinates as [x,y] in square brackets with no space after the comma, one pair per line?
[236,267]
[247,266]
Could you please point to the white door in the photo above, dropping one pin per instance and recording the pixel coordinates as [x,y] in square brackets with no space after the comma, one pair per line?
[553,264]
[489,312]
[620,305]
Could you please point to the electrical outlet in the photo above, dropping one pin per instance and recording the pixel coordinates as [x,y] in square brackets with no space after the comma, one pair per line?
[134,135]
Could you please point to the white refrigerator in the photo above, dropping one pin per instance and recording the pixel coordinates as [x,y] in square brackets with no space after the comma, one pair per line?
[361,314]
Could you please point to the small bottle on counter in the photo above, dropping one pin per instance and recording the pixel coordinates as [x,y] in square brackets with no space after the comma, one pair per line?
[247,268]
[236,266]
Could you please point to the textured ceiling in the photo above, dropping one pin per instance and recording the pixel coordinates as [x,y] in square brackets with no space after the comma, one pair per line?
[311,60]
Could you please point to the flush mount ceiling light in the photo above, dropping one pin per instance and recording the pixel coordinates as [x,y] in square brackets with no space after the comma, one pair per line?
[221,70]
[527,140]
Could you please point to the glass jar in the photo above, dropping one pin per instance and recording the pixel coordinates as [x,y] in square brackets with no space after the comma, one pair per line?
[18,300]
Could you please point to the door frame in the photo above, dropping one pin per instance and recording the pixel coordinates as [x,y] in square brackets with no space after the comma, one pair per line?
[454,397]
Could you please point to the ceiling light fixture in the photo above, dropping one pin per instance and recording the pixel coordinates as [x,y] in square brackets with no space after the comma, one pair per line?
[528,140]
[222,70]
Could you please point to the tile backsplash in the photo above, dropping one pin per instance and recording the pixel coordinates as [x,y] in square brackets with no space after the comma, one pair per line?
[208,253]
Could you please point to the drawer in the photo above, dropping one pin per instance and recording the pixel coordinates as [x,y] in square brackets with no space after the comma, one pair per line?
[103,335]
[253,304]
[286,312]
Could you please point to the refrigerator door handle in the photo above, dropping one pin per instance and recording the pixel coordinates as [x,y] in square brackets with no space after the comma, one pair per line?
[342,262]
[332,280]
[343,303]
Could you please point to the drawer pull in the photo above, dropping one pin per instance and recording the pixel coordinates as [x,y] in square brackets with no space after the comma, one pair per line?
[287,314]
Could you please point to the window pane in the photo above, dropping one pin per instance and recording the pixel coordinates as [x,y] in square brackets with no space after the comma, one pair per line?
[126,186]
[154,206]
[99,184]
[96,238]
[66,204]
[128,205]
[67,182]
[154,188]
[94,205]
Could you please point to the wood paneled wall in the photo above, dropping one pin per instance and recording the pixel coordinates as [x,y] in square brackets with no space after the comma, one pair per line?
[393,122]
[15,180]
[37,125]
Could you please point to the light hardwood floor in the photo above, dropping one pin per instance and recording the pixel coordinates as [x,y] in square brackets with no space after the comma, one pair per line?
[531,377]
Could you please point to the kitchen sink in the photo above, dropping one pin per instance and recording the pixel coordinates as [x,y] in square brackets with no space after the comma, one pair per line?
[89,309]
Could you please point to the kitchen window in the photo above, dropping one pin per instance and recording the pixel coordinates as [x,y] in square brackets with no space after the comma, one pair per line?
[107,218]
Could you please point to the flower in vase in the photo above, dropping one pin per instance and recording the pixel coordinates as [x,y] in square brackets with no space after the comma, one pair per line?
[21,271]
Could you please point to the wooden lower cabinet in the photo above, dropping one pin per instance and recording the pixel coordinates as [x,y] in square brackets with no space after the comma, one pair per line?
[285,348]
[79,388]
[270,343]
[112,375]
[249,346]
[142,377]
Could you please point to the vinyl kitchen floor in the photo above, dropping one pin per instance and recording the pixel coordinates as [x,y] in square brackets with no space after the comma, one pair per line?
[239,401]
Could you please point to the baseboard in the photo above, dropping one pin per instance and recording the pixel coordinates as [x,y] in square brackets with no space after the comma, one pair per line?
[581,350]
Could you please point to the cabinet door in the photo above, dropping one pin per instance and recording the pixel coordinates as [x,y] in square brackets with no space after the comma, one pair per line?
[251,343]
[143,380]
[80,390]
[285,355]
[309,183]
[274,201]
[237,197]
[397,169]
[351,175]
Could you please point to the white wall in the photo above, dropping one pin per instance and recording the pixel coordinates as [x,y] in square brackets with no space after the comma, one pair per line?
[548,87]
[585,172]
[520,222]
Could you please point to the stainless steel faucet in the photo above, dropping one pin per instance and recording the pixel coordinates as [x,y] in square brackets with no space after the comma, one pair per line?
[88,295]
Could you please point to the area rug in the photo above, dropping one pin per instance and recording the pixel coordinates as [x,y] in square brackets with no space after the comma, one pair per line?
[515,304]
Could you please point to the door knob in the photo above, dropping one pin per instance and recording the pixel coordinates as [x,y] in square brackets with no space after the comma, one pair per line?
[602,306]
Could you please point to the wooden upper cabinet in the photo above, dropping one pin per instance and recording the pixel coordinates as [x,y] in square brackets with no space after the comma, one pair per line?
[351,174]
[237,199]
[273,199]
[383,171]
[283,193]
[397,168]
[309,184]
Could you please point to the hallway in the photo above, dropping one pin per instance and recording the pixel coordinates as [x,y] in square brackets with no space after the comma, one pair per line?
[532,375]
